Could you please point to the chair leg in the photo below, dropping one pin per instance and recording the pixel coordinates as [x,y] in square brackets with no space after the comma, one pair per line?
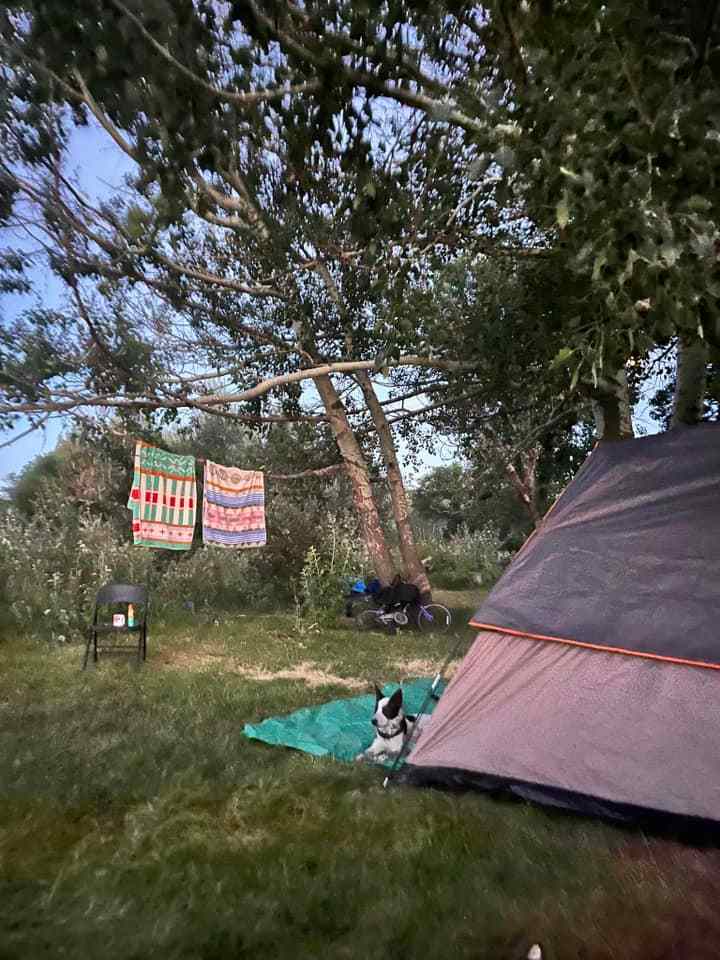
[95,647]
[87,652]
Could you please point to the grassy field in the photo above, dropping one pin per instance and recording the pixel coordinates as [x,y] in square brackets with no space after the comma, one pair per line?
[136,821]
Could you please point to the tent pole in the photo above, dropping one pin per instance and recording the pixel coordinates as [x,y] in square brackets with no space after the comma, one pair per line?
[428,697]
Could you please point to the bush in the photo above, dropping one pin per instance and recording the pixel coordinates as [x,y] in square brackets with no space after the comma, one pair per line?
[68,532]
[215,579]
[467,558]
[329,566]
[51,568]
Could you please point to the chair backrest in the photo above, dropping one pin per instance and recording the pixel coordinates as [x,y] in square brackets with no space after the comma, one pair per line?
[121,593]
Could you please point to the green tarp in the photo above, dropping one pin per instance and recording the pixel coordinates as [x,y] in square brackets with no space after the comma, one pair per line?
[339,729]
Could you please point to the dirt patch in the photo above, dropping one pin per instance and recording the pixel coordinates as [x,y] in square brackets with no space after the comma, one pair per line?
[422,668]
[310,674]
[307,672]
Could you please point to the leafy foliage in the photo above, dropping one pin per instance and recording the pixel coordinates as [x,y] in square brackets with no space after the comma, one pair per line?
[68,531]
[465,558]
[329,566]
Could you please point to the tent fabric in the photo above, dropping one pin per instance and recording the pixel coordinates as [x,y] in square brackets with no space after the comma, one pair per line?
[625,563]
[628,558]
[576,728]
[340,729]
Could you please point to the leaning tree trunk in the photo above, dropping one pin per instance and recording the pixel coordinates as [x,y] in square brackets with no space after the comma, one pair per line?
[414,570]
[525,483]
[689,399]
[357,471]
[611,408]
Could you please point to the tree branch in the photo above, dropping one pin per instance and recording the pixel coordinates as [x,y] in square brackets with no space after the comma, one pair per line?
[247,99]
[151,403]
[31,429]
[102,118]
[330,471]
[343,366]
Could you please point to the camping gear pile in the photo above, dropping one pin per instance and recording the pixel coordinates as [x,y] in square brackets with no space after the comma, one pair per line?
[396,596]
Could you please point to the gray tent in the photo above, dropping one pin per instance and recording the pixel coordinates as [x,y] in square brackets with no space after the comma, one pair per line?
[594,681]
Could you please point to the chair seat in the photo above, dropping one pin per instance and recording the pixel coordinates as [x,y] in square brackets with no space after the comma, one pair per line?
[132,600]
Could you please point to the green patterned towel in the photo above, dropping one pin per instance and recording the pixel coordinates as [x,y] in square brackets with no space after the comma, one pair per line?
[162,499]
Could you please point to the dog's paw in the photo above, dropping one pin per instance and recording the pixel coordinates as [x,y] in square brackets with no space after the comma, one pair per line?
[359,758]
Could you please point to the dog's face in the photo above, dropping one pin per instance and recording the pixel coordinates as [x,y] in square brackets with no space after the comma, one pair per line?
[388,716]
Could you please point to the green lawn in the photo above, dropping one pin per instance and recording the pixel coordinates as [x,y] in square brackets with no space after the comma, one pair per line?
[136,821]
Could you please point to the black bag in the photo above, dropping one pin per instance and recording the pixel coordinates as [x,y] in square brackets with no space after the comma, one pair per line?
[398,594]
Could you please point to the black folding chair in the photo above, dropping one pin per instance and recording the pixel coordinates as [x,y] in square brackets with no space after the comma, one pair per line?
[114,595]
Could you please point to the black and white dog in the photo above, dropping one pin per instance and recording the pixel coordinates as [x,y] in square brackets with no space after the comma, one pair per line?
[392,727]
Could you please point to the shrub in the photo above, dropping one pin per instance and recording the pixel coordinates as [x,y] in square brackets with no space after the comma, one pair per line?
[215,579]
[464,559]
[50,571]
[329,566]
[51,567]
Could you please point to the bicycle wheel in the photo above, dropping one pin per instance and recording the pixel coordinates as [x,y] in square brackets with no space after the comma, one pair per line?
[367,620]
[433,618]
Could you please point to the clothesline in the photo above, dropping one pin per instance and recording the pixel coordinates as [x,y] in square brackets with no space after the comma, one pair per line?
[317,472]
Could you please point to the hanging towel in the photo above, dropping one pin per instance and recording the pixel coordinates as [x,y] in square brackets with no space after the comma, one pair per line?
[233,507]
[162,499]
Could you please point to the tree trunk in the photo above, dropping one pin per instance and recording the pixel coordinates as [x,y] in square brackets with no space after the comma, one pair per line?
[414,570]
[357,471]
[689,399]
[611,407]
[525,485]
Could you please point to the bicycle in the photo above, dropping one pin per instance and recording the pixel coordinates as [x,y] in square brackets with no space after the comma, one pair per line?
[428,618]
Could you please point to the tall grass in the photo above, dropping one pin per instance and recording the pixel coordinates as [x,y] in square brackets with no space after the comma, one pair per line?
[52,566]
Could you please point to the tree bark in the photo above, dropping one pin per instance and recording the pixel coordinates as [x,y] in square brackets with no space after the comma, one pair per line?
[525,484]
[612,410]
[357,471]
[414,570]
[690,382]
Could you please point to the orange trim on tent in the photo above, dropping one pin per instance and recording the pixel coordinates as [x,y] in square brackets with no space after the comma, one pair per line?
[595,646]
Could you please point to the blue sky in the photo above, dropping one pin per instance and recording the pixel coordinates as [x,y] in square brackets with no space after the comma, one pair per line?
[100,166]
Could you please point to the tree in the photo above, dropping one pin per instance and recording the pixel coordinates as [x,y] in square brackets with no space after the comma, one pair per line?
[232,210]
[446,496]
[663,405]
[599,125]
[307,178]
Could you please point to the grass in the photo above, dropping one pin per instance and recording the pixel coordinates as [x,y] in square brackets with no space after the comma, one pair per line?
[136,821]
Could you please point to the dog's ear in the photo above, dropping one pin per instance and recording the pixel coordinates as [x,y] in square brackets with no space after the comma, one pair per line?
[392,707]
[378,694]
